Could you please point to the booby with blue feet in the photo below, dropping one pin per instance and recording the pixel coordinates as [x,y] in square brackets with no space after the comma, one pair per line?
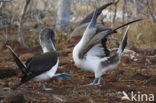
[41,67]
[92,54]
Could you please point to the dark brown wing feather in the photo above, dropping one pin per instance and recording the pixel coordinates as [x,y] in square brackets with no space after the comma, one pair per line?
[41,63]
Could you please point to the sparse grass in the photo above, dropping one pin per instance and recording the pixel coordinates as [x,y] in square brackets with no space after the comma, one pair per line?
[144,34]
[32,40]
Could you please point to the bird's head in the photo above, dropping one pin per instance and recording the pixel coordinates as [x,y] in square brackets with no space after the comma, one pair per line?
[47,39]
[47,34]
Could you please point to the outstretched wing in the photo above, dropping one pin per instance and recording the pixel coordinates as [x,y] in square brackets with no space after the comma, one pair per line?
[89,17]
[99,36]
[78,31]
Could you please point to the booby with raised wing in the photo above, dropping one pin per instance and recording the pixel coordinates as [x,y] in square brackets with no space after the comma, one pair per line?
[91,53]
[43,66]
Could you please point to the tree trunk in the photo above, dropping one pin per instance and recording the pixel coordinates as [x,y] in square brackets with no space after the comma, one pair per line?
[63,16]
[45,5]
[1,6]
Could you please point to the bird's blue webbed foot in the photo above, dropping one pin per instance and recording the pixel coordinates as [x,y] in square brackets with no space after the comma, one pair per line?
[93,83]
[62,76]
[45,88]
[99,81]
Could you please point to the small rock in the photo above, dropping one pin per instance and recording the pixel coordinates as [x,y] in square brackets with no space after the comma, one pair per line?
[44,100]
[125,60]
[151,81]
[4,84]
[139,76]
[6,72]
[18,98]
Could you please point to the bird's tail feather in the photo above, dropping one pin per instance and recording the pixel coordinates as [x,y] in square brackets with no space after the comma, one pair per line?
[114,30]
[104,6]
[124,42]
[126,24]
[19,63]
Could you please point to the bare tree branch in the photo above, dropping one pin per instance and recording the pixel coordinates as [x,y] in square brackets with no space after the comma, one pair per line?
[149,2]
[115,10]
[20,35]
[2,4]
[123,13]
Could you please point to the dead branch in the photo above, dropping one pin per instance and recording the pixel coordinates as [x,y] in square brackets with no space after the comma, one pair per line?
[149,2]
[123,13]
[20,35]
[2,2]
[1,6]
[115,10]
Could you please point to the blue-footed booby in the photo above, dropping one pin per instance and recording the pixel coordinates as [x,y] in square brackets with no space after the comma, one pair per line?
[43,66]
[91,53]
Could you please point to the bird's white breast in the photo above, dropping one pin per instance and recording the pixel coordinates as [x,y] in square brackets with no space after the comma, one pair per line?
[91,60]
[47,75]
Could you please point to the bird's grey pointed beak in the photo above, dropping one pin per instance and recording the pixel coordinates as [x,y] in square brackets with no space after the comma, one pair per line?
[92,23]
[52,39]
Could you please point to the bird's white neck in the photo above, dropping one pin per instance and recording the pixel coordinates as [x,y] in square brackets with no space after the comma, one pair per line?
[47,46]
[80,47]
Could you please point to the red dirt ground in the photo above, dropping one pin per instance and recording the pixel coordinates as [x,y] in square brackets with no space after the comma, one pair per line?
[128,76]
